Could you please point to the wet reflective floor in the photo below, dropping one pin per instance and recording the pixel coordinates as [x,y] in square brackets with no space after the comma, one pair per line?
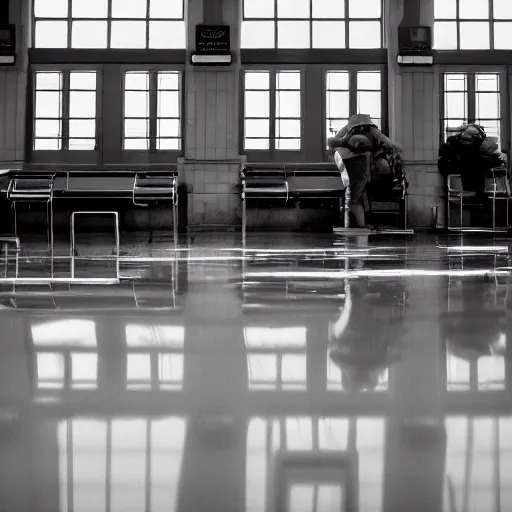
[281,373]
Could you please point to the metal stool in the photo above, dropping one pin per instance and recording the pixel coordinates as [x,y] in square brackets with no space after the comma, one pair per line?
[116,234]
[33,189]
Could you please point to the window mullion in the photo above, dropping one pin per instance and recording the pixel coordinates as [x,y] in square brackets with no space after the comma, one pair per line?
[153,110]
[109,22]
[275,25]
[352,92]
[273,93]
[471,97]
[70,23]
[347,24]
[65,109]
[491,24]
[457,23]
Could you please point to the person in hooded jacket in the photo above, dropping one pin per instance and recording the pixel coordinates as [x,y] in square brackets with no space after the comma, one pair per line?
[356,143]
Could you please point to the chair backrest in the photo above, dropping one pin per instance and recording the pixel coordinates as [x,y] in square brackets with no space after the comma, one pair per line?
[454,183]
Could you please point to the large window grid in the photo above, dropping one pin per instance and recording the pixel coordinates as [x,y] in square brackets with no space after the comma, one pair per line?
[272,110]
[65,110]
[312,24]
[102,24]
[472,24]
[352,92]
[152,111]
[473,98]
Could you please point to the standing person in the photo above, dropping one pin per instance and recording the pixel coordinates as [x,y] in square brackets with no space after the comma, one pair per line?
[356,143]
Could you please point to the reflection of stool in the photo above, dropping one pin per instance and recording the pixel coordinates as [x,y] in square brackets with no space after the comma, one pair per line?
[116,234]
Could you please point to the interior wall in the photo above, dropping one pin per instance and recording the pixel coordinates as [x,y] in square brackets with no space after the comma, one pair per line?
[13,86]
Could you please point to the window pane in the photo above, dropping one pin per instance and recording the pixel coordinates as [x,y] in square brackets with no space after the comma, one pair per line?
[492,128]
[288,80]
[82,104]
[168,104]
[293,9]
[51,34]
[364,34]
[502,9]
[262,368]
[129,9]
[473,9]
[474,35]
[328,9]
[455,82]
[168,81]
[48,128]
[47,144]
[89,8]
[299,433]
[487,105]
[338,105]
[136,104]
[338,80]
[136,144]
[288,103]
[333,126]
[168,9]
[364,9]
[257,128]
[445,35]
[84,370]
[258,34]
[49,81]
[89,34]
[136,81]
[293,34]
[502,39]
[168,128]
[257,104]
[302,498]
[82,128]
[257,80]
[369,81]
[369,103]
[257,144]
[50,371]
[48,104]
[445,9]
[128,34]
[168,144]
[487,82]
[170,369]
[167,34]
[258,8]
[455,106]
[82,144]
[136,128]
[328,34]
[293,368]
[138,367]
[51,8]
[82,81]
[288,128]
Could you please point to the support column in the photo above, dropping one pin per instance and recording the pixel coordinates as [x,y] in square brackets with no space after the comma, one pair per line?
[414,97]
[13,87]
[211,166]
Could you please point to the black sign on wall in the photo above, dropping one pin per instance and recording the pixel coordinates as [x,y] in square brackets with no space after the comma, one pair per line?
[212,40]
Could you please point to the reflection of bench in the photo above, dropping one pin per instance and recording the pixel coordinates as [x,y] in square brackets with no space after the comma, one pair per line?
[73,190]
[300,185]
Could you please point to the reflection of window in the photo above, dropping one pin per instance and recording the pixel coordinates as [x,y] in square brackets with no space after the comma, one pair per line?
[335,381]
[273,110]
[315,497]
[311,24]
[349,93]
[265,437]
[485,374]
[65,110]
[120,464]
[473,98]
[66,354]
[276,358]
[152,111]
[100,24]
[472,24]
[155,358]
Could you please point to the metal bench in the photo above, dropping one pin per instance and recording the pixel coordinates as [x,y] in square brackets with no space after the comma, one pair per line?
[290,184]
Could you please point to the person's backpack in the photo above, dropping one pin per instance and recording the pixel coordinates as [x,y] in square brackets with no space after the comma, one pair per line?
[358,139]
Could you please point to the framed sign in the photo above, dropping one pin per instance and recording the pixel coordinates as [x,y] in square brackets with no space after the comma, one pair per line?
[213,40]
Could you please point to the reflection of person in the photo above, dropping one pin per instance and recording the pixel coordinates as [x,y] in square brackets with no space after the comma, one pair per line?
[356,143]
